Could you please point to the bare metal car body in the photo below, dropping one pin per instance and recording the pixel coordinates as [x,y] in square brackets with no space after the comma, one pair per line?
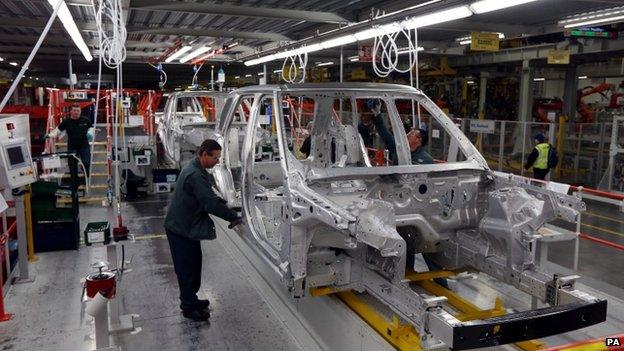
[186,122]
[333,220]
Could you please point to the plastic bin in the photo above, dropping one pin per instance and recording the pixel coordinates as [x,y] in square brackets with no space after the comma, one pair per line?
[97,233]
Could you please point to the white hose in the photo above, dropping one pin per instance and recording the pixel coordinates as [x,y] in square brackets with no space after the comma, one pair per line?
[295,64]
[386,49]
[111,28]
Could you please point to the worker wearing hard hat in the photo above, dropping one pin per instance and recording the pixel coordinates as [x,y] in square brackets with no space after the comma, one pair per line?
[542,158]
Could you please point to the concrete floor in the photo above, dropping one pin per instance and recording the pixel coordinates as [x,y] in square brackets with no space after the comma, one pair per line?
[48,314]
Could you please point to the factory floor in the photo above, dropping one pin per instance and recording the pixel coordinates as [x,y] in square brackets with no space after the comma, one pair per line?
[48,314]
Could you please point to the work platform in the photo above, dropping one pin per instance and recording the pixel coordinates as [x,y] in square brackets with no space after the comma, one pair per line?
[251,309]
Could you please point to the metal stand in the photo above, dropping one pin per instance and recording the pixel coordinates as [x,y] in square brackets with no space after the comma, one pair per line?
[22,241]
[124,322]
[98,308]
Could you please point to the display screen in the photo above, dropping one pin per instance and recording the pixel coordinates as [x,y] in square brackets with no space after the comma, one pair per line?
[16,156]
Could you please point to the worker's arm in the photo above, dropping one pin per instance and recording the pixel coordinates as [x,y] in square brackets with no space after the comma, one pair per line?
[386,136]
[57,131]
[201,188]
[90,134]
[531,159]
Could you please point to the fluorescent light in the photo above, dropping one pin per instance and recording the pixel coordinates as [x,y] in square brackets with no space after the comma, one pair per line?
[195,53]
[308,48]
[582,77]
[247,75]
[368,33]
[407,50]
[1,59]
[470,82]
[260,73]
[70,26]
[324,64]
[13,64]
[438,17]
[37,78]
[601,16]
[277,71]
[539,79]
[493,5]
[232,45]
[236,77]
[178,53]
[331,43]
[595,21]
[353,58]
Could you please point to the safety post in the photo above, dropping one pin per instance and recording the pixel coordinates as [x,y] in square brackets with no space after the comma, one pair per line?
[29,227]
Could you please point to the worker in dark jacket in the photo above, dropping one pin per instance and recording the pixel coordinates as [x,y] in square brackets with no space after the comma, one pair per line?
[188,221]
[538,158]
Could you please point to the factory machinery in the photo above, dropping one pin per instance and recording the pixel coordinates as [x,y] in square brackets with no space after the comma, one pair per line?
[331,222]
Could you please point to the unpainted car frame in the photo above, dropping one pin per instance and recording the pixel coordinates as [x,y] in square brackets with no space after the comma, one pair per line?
[320,222]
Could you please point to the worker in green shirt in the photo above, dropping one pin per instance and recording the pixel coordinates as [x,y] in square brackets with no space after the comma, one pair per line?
[188,221]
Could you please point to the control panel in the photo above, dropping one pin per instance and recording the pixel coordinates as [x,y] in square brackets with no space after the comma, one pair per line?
[17,163]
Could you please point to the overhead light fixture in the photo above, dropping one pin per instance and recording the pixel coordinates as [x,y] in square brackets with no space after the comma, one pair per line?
[468,40]
[260,73]
[539,79]
[13,64]
[324,64]
[1,59]
[353,58]
[229,46]
[407,50]
[582,77]
[277,71]
[344,40]
[614,14]
[178,53]
[247,75]
[70,26]
[470,82]
[442,16]
[236,77]
[195,53]
[485,6]
[37,78]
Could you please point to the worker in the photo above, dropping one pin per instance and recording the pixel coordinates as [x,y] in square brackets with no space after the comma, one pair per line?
[306,146]
[366,129]
[188,221]
[79,132]
[539,158]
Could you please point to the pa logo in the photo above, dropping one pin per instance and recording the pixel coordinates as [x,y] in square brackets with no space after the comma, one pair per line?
[613,342]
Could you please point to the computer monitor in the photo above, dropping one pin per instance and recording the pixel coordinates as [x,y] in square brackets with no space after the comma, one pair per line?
[18,168]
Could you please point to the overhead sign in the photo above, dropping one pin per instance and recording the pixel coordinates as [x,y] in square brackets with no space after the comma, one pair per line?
[482,41]
[482,126]
[559,57]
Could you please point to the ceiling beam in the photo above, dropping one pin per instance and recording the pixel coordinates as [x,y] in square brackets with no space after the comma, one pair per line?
[214,33]
[62,41]
[236,10]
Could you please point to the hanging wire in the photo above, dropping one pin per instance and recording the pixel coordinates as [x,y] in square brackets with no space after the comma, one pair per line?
[296,68]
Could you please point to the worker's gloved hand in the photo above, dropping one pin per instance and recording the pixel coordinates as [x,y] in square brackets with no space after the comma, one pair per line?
[235,222]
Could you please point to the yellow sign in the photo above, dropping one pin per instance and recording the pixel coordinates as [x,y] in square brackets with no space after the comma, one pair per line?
[358,74]
[482,41]
[559,57]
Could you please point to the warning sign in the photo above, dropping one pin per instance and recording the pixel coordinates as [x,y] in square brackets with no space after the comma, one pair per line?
[365,53]
[559,57]
[482,41]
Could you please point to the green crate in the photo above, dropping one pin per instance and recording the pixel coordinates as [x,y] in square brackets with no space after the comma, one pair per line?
[97,233]
[44,188]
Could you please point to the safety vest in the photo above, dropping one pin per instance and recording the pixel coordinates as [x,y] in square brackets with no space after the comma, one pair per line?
[542,158]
